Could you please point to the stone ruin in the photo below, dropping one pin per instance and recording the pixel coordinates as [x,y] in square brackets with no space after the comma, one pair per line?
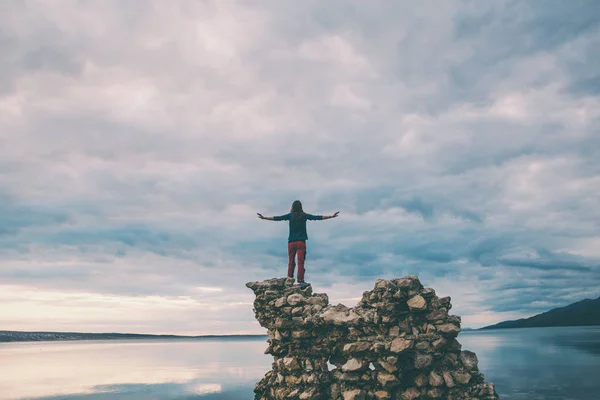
[399,342]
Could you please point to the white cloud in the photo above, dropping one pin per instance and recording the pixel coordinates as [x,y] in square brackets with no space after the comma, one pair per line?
[137,143]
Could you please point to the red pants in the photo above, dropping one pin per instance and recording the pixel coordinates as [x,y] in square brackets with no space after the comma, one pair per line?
[293,248]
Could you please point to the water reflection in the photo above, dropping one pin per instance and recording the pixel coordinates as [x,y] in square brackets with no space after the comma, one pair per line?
[539,363]
[130,369]
[533,363]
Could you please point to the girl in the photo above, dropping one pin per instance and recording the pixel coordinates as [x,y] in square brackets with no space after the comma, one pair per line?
[297,237]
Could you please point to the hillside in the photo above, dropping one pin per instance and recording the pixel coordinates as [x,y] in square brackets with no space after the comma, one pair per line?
[582,313]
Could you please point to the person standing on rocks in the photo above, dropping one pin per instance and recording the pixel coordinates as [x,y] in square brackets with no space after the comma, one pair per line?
[297,237]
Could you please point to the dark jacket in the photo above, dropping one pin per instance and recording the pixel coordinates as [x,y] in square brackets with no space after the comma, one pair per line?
[297,224]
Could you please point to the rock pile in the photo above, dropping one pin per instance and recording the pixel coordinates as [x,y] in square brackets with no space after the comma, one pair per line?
[399,342]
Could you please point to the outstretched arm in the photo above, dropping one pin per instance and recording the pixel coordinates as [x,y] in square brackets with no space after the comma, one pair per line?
[311,217]
[277,218]
[331,216]
[261,217]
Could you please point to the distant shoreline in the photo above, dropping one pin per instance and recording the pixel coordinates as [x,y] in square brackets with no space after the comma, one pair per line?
[18,336]
[582,313]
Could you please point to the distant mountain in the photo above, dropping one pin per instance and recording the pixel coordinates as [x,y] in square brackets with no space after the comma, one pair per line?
[582,313]
[17,336]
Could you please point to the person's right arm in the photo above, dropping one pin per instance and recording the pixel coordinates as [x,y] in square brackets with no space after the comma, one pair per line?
[284,217]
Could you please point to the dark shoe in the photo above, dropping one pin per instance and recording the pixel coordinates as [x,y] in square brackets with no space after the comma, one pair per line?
[303,285]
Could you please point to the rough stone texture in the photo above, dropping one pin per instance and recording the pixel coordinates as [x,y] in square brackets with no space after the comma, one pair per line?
[468,359]
[417,303]
[399,345]
[353,364]
[399,342]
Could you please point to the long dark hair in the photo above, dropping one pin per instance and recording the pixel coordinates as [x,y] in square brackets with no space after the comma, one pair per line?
[297,210]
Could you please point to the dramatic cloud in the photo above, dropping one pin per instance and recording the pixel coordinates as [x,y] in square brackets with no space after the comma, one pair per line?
[459,141]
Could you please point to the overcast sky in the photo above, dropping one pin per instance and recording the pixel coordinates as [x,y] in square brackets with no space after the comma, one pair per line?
[460,141]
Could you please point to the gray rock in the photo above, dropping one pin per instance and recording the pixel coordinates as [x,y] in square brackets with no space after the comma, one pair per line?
[357,347]
[356,394]
[391,368]
[461,377]
[448,379]
[437,315]
[448,328]
[386,379]
[421,380]
[399,345]
[339,316]
[410,394]
[353,365]
[422,360]
[439,344]
[487,389]
[281,302]
[290,363]
[469,360]
[320,300]
[435,379]
[385,348]
[381,284]
[295,299]
[383,395]
[417,303]
[437,393]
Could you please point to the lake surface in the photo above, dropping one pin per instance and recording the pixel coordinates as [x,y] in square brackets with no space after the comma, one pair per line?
[532,363]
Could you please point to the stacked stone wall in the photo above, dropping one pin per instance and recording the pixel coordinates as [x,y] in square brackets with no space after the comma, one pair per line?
[399,342]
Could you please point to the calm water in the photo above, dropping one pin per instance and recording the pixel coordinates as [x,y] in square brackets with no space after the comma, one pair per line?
[536,363]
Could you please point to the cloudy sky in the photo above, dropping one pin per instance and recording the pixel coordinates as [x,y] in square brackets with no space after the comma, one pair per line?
[459,140]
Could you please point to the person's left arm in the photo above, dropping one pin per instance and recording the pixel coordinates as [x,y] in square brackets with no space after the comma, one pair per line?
[311,217]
